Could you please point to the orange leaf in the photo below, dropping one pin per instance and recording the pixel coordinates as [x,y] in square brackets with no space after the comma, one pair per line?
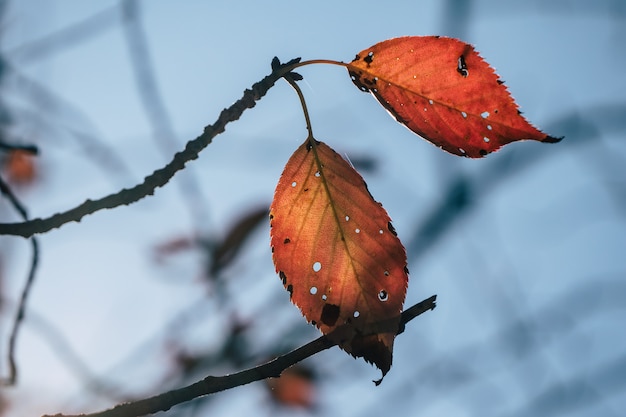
[337,253]
[295,387]
[19,167]
[441,89]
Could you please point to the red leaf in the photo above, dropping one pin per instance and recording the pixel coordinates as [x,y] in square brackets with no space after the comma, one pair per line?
[441,89]
[337,253]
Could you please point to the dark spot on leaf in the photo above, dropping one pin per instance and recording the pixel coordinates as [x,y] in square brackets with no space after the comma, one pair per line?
[483,152]
[369,58]
[369,82]
[314,323]
[271,216]
[305,190]
[330,314]
[272,249]
[283,277]
[287,240]
[406,269]
[462,66]
[356,79]
[290,290]
[500,81]
[392,229]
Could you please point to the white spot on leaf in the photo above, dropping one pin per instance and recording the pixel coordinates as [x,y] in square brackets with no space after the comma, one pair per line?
[317,266]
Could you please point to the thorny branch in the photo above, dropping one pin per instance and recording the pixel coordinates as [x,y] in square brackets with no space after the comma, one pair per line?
[212,384]
[161,176]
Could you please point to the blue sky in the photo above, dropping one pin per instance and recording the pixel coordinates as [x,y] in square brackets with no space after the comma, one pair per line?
[529,277]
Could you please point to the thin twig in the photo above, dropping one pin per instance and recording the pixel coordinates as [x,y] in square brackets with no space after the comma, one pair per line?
[211,384]
[32,149]
[21,310]
[159,177]
[154,105]
[65,38]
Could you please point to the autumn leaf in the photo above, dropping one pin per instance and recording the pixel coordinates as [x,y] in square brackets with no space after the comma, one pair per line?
[337,253]
[19,166]
[295,387]
[441,89]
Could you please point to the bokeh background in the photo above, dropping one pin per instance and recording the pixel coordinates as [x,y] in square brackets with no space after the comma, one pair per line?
[526,249]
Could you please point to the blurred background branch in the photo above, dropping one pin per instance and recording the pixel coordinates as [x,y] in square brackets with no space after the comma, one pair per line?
[133,303]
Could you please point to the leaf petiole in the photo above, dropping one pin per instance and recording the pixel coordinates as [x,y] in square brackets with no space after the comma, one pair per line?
[318,61]
[295,86]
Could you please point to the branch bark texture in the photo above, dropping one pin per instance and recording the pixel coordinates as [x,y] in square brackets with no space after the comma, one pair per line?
[159,177]
[213,384]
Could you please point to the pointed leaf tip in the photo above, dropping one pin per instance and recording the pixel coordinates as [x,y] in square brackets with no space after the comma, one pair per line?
[441,89]
[552,139]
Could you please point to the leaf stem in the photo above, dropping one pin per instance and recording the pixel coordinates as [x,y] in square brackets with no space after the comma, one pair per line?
[295,86]
[318,61]
[320,166]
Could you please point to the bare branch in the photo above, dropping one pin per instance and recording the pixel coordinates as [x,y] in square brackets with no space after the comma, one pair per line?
[159,177]
[212,384]
[32,149]
[153,103]
[67,37]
